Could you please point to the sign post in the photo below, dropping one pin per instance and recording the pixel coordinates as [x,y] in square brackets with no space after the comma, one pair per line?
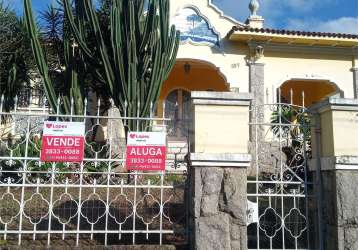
[63,142]
[146,151]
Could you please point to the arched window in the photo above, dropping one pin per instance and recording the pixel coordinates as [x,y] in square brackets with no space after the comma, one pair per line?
[306,92]
[177,108]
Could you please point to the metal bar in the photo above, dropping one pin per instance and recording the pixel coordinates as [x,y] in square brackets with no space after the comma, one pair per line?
[79,206]
[319,185]
[255,110]
[85,160]
[306,192]
[281,182]
[84,185]
[286,249]
[134,205]
[277,195]
[161,209]
[23,175]
[74,172]
[276,124]
[50,204]
[281,173]
[90,231]
[86,116]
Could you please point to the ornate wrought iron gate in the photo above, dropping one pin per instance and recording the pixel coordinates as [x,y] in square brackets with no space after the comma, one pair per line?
[281,191]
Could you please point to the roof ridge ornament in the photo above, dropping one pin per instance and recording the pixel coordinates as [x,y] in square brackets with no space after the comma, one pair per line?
[254,20]
[254,5]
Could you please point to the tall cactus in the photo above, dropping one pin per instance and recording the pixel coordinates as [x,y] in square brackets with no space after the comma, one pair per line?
[139,56]
[73,75]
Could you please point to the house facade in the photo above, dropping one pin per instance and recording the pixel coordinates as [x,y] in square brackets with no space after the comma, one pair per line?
[261,149]
[218,53]
[274,114]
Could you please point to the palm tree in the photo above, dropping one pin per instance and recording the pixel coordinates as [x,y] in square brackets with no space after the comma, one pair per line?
[52,34]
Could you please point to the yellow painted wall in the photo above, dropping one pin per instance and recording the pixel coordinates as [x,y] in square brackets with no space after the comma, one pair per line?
[281,67]
[230,59]
[327,139]
[345,129]
[339,130]
[232,121]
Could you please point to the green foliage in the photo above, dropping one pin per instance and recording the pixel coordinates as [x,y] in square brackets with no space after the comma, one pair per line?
[52,34]
[14,56]
[33,150]
[137,56]
[296,136]
[73,72]
[127,46]
[288,114]
[96,150]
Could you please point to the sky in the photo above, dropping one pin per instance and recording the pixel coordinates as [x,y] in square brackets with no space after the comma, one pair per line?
[311,15]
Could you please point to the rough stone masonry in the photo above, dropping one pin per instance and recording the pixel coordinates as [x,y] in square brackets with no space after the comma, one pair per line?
[219,208]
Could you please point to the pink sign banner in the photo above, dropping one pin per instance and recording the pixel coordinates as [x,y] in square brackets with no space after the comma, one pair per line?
[146,151]
[63,142]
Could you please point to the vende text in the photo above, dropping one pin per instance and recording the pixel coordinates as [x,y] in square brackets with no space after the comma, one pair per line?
[62,148]
[64,141]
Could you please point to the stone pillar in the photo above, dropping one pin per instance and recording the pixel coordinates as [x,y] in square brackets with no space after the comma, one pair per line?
[217,170]
[335,148]
[257,89]
[256,82]
[355,82]
[257,114]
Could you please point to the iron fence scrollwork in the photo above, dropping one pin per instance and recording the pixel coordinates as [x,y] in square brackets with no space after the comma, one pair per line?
[94,201]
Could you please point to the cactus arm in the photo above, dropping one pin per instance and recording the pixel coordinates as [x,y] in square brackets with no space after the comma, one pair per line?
[132,59]
[94,24]
[167,50]
[39,54]
[75,31]
[172,51]
[134,63]
[117,47]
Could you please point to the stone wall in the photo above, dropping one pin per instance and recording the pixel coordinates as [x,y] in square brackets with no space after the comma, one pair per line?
[218,171]
[335,148]
[219,205]
[340,209]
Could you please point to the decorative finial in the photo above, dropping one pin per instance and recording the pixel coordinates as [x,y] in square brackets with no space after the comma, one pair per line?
[254,6]
[254,20]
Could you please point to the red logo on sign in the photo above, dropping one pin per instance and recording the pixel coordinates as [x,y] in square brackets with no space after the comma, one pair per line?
[49,125]
[132,136]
